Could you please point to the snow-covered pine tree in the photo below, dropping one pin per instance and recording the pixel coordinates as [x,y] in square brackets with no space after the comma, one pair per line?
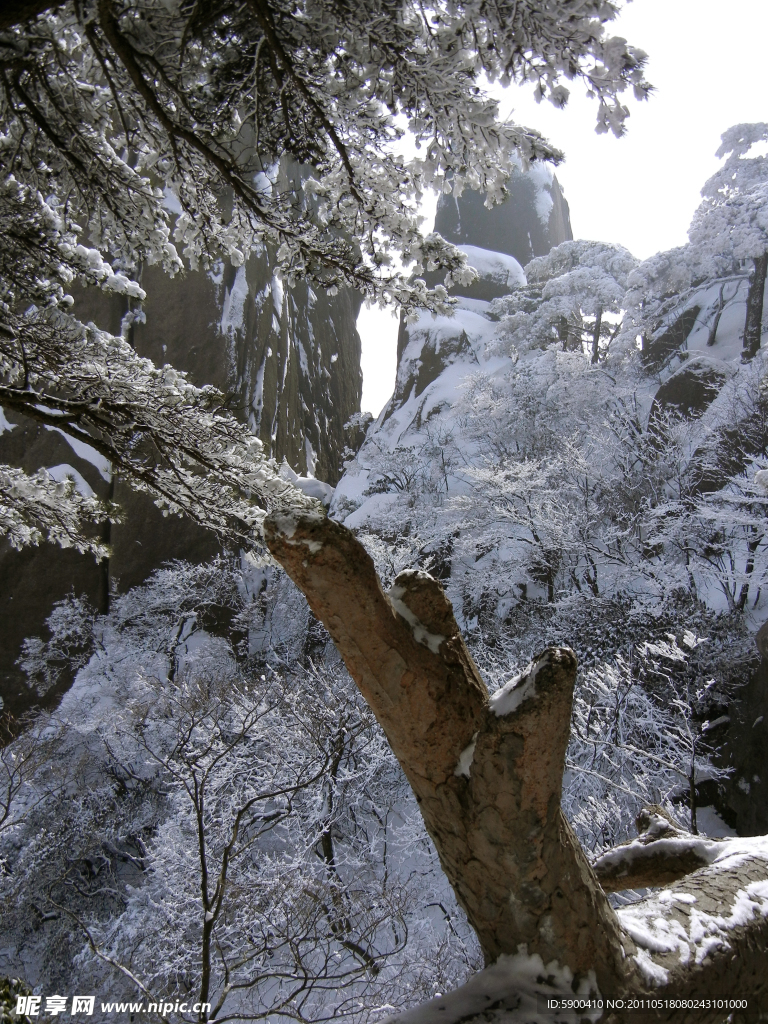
[730,226]
[726,253]
[567,295]
[110,107]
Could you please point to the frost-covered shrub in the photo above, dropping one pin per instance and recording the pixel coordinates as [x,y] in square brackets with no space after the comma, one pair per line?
[235,826]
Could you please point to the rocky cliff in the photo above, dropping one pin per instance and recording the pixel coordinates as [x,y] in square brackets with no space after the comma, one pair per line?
[435,355]
[288,358]
[533,220]
[431,445]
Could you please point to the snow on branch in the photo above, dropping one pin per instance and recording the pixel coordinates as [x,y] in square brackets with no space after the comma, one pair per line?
[35,508]
[178,442]
[662,853]
[112,105]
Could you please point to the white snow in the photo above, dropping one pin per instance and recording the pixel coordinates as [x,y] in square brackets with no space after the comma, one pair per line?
[516,988]
[498,266]
[171,201]
[66,472]
[308,484]
[87,453]
[233,310]
[265,180]
[522,687]
[315,489]
[706,850]
[4,424]
[420,633]
[277,297]
[465,758]
[654,930]
[286,525]
[541,176]
[653,973]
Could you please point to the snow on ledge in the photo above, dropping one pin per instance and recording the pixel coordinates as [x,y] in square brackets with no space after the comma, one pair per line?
[514,990]
[495,266]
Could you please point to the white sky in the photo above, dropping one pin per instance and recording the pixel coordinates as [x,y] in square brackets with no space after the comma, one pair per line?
[707,61]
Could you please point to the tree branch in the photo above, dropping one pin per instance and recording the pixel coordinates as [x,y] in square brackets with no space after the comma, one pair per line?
[662,853]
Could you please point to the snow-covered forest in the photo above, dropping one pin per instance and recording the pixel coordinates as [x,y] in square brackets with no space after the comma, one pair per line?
[215,813]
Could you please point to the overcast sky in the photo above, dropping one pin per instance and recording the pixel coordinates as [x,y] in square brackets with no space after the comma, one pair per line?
[707,62]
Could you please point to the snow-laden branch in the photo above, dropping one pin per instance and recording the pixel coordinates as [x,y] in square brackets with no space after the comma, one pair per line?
[106,104]
[178,442]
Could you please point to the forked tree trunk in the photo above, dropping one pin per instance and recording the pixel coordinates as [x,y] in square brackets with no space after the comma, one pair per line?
[753,325]
[488,784]
[487,773]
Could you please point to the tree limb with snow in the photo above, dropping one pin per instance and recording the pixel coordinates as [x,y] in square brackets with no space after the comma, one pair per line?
[487,773]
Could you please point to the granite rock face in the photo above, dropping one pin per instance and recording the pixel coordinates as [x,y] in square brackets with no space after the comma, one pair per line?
[288,358]
[532,221]
[498,243]
[436,354]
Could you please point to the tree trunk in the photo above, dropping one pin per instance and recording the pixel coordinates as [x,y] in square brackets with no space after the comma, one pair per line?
[106,538]
[712,337]
[596,337]
[488,787]
[487,774]
[753,325]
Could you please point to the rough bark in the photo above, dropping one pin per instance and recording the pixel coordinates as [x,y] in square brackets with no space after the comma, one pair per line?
[753,325]
[488,784]
[487,773]
[705,939]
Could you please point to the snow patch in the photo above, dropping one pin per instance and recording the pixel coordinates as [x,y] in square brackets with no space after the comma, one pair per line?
[541,176]
[285,524]
[171,201]
[707,850]
[233,311]
[511,696]
[64,472]
[4,424]
[653,930]
[653,973]
[519,985]
[465,758]
[420,633]
[308,484]
[87,453]
[277,296]
[498,266]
